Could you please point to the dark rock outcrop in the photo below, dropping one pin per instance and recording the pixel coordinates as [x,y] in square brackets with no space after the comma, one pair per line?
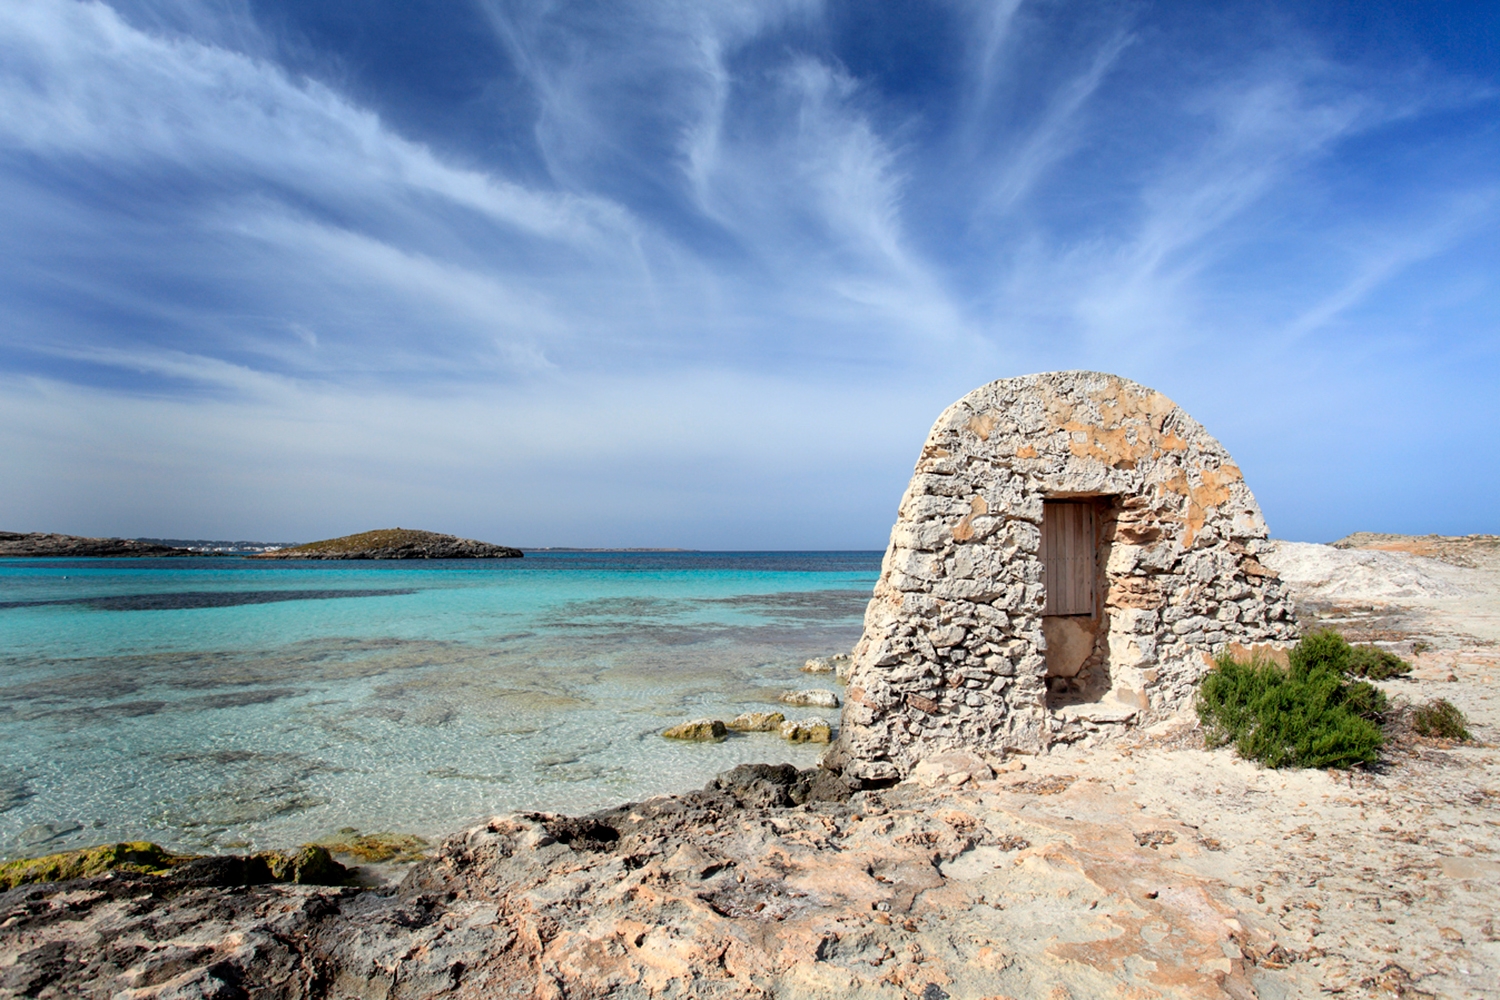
[40,544]
[395,543]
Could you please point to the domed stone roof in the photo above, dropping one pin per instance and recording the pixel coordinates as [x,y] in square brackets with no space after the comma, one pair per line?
[1072,545]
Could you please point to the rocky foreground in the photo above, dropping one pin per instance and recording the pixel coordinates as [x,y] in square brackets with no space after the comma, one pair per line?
[1144,867]
[39,544]
[1134,865]
[394,543]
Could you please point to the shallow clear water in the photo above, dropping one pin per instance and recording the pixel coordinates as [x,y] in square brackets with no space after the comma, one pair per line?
[221,704]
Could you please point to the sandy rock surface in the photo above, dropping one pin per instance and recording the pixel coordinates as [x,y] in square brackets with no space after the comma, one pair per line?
[1442,591]
[1140,867]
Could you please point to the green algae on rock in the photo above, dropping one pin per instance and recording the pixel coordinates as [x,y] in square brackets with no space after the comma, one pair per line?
[806,731]
[700,730]
[756,722]
[373,848]
[309,865]
[139,857]
[312,864]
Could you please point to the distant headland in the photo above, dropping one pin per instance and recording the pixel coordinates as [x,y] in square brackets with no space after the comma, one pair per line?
[42,544]
[385,543]
[394,543]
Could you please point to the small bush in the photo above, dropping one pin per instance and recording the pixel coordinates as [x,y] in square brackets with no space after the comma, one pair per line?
[1305,716]
[1440,718]
[1327,650]
[1375,663]
[1366,701]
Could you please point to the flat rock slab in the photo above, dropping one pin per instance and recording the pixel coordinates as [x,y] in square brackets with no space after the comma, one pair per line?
[1103,712]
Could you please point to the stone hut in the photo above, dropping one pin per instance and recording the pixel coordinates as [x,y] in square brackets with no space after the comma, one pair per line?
[1071,552]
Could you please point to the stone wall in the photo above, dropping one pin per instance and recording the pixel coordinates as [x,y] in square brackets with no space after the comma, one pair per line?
[955,653]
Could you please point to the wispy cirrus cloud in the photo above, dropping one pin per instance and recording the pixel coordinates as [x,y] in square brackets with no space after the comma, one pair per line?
[755,234]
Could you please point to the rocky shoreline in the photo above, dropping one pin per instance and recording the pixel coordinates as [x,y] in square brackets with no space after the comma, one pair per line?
[1147,865]
[43,545]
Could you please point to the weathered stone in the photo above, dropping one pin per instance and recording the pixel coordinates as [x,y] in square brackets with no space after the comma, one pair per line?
[811,698]
[806,731]
[756,722]
[956,649]
[701,730]
[826,664]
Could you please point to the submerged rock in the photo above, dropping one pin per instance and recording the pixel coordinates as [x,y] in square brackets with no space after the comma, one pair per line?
[756,722]
[373,848]
[811,698]
[701,730]
[836,664]
[806,731]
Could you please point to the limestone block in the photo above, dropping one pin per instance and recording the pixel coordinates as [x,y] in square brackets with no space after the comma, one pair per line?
[813,697]
[1189,625]
[923,507]
[1123,559]
[1247,524]
[907,583]
[1131,650]
[921,536]
[1000,665]
[806,731]
[756,722]
[945,636]
[973,591]
[938,486]
[698,730]
[1134,620]
[922,565]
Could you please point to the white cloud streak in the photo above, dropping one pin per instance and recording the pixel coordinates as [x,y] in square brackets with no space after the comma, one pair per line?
[738,233]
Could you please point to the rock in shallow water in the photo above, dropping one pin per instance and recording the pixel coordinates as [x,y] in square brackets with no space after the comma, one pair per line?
[806,731]
[827,664]
[757,722]
[812,698]
[700,730]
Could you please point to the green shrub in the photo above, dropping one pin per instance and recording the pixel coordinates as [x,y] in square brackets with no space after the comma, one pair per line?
[1366,701]
[1326,649]
[1305,716]
[1440,718]
[1377,664]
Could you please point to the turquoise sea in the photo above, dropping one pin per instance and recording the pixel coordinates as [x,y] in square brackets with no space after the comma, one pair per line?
[227,704]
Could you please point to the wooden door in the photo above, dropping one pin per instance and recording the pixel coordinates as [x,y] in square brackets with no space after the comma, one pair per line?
[1069,557]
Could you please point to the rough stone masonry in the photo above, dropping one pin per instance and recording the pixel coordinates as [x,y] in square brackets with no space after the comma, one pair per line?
[1069,542]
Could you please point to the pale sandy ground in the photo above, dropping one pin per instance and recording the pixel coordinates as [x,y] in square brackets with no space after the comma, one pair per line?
[1369,884]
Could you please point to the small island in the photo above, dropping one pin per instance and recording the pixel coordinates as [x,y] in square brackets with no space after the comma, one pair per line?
[394,543]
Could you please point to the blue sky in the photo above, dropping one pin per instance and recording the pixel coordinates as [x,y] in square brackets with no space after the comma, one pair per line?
[703,274]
